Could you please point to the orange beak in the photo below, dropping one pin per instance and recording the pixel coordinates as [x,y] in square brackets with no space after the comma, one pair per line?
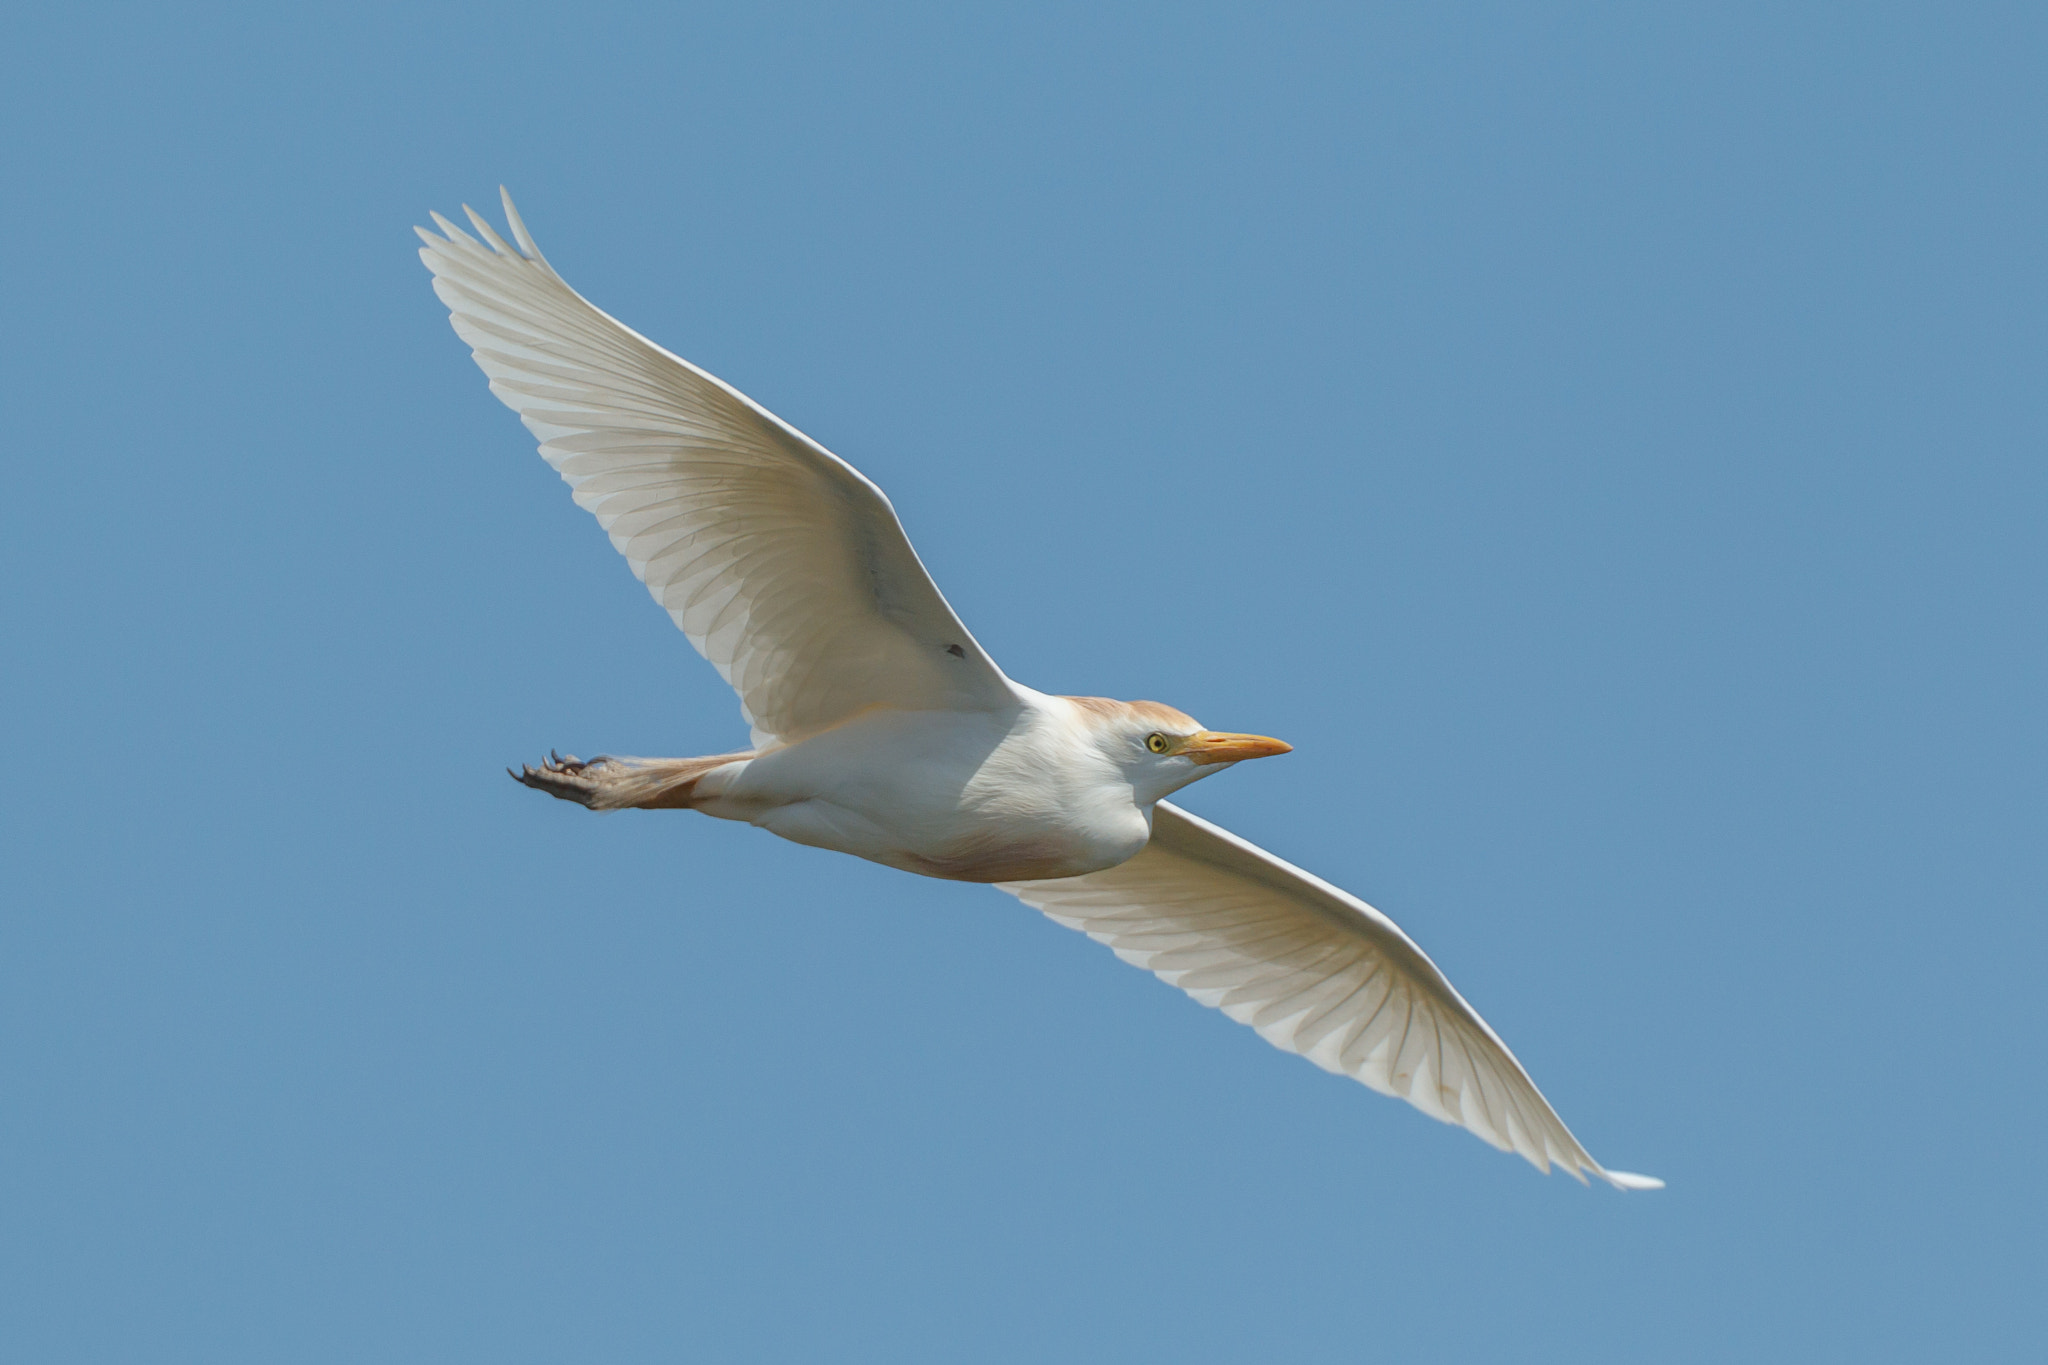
[1213,746]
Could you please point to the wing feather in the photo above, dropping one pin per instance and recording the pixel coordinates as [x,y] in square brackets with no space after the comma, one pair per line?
[781,563]
[1316,972]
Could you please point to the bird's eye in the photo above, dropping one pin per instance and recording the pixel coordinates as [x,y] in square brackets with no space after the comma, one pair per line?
[1156,743]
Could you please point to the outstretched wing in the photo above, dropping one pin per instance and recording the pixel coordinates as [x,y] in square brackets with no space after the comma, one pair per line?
[784,566]
[1316,972]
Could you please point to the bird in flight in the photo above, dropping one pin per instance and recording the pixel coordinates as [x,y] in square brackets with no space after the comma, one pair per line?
[882,729]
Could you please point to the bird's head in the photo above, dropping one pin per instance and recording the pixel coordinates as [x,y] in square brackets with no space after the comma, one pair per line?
[1160,749]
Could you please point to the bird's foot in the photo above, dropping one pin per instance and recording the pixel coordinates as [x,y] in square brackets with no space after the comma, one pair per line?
[570,779]
[609,782]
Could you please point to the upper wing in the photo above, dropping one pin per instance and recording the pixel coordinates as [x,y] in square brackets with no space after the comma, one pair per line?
[783,565]
[1315,971]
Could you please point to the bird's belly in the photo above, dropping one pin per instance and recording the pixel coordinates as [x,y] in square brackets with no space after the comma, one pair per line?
[964,850]
[1005,857]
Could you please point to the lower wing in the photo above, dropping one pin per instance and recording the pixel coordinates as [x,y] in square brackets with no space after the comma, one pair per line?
[1317,972]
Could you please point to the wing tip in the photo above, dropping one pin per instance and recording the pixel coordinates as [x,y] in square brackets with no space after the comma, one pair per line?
[526,250]
[1629,1180]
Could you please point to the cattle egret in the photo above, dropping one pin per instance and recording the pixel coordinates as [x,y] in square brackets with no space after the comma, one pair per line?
[881,729]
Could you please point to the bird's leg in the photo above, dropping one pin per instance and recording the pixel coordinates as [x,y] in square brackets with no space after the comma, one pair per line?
[616,783]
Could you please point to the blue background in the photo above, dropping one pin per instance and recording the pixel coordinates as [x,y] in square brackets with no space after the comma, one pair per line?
[1607,440]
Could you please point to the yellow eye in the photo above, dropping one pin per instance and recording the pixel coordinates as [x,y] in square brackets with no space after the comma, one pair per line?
[1156,743]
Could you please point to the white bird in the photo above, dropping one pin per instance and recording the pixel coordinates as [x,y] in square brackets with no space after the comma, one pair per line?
[881,729]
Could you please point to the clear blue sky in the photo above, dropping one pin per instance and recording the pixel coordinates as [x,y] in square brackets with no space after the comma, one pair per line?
[1607,440]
